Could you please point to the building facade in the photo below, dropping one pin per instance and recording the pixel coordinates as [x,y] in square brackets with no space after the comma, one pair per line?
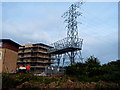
[8,55]
[35,55]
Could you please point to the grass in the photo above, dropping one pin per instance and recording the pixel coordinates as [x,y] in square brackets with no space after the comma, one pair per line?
[14,80]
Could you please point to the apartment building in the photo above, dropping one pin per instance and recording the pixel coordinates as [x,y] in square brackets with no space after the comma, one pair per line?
[35,55]
[8,55]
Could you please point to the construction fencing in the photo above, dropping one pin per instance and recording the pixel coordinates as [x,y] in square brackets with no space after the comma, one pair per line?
[54,71]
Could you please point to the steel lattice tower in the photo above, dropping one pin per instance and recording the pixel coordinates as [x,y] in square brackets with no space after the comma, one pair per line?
[72,44]
[72,34]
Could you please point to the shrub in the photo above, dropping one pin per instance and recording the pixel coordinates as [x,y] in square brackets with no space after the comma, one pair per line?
[11,80]
[91,70]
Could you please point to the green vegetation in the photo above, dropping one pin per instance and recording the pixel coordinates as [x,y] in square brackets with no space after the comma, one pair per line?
[10,80]
[28,80]
[91,70]
[79,75]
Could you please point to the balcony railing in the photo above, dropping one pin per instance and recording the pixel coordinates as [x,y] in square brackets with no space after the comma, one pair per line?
[65,43]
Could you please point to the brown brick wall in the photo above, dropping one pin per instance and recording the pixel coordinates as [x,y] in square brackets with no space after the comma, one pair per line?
[9,60]
[10,46]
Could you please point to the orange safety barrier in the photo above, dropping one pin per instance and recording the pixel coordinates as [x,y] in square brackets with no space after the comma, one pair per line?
[28,67]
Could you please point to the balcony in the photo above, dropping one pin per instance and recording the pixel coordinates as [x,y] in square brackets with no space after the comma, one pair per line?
[38,66]
[66,45]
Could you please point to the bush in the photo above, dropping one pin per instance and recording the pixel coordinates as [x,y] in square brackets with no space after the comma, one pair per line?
[11,80]
[91,70]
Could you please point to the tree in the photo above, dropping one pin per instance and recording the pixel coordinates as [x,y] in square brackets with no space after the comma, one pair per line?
[92,61]
[92,66]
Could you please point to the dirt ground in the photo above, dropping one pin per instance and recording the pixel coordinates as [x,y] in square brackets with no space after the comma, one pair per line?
[71,84]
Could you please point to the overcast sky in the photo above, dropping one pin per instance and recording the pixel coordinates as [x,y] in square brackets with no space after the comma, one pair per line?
[28,22]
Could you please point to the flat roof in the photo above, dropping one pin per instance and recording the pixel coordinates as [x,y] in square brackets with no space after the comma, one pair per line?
[10,41]
[43,45]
